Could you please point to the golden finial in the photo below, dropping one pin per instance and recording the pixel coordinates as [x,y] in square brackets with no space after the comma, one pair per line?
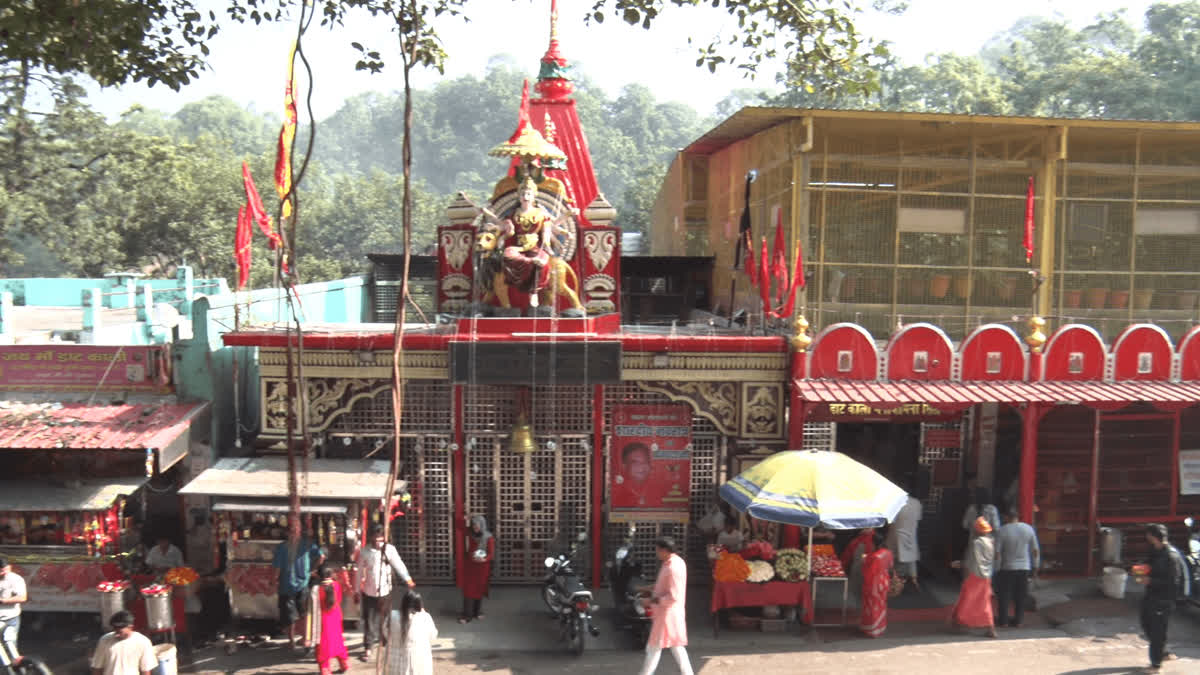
[1036,337]
[801,340]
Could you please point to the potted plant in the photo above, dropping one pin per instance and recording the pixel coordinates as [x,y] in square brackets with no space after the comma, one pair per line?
[1095,295]
[1072,291]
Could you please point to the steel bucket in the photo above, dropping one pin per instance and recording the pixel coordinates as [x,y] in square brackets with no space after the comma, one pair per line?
[111,602]
[1110,545]
[158,612]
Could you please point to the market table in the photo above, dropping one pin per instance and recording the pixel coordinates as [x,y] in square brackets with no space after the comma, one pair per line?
[727,594]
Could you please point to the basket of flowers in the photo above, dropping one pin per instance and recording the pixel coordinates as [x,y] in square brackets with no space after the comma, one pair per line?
[761,572]
[181,576]
[791,564]
[827,566]
[731,568]
[119,586]
[758,550]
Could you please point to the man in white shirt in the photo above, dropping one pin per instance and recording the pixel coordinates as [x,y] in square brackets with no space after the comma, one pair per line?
[12,594]
[375,565]
[164,556]
[123,651]
[902,540]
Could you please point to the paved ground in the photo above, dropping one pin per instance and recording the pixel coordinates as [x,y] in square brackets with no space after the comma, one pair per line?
[1087,635]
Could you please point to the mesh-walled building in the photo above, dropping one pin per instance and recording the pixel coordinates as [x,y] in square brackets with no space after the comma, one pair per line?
[941,356]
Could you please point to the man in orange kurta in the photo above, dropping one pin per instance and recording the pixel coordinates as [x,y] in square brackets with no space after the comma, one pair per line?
[669,627]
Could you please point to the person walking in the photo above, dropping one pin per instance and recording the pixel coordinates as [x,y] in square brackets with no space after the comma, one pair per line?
[982,508]
[1164,584]
[295,564]
[974,606]
[477,568]
[124,651]
[12,594]
[669,627]
[1017,558]
[902,540]
[376,563]
[877,583]
[413,651]
[327,623]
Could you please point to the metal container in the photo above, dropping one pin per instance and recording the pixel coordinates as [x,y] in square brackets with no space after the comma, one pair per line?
[111,602]
[1110,545]
[158,612]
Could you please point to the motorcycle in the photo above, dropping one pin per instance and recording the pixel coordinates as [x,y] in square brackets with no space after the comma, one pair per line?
[624,578]
[568,600]
[27,666]
[1192,557]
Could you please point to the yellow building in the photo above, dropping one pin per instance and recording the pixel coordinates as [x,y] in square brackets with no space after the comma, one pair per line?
[909,217]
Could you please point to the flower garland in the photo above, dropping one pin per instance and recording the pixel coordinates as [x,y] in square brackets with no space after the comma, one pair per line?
[760,572]
[827,566]
[791,564]
[758,550]
[113,586]
[731,568]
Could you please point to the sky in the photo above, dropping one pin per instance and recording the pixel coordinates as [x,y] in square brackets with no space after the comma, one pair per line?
[248,63]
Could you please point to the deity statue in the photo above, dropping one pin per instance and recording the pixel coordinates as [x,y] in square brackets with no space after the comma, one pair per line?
[529,259]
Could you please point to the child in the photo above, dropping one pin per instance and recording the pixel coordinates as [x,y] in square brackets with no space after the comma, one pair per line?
[327,602]
[413,653]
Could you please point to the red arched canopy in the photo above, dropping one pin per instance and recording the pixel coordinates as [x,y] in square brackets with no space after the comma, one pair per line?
[992,352]
[1142,352]
[1074,352]
[919,351]
[844,351]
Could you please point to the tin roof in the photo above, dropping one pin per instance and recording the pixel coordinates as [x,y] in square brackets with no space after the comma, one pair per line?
[753,119]
[968,393]
[258,477]
[93,495]
[99,427]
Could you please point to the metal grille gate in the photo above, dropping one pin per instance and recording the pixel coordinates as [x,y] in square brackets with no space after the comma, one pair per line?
[424,536]
[708,461]
[932,504]
[535,502]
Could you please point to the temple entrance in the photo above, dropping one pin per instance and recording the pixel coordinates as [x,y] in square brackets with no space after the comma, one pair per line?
[535,502]
[892,450]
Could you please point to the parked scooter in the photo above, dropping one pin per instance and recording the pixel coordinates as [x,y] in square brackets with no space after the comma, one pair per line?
[1192,557]
[624,578]
[28,665]
[568,600]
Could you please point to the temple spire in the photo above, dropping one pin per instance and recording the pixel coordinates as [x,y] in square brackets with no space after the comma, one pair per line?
[554,81]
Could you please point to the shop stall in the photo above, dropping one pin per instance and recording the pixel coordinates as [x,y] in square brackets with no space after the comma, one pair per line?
[250,509]
[65,538]
[758,576]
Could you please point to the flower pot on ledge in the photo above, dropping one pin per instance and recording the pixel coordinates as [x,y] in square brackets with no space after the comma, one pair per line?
[939,286]
[1118,299]
[1142,298]
[1095,298]
[1072,298]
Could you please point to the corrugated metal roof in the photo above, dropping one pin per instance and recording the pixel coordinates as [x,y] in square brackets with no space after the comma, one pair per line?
[250,477]
[99,427]
[753,119]
[90,495]
[958,393]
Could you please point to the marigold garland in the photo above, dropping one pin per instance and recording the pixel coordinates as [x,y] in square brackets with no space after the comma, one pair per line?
[731,568]
[181,576]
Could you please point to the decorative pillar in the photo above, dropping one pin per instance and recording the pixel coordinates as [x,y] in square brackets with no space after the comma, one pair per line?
[459,463]
[598,484]
[1030,417]
[92,302]
[797,410]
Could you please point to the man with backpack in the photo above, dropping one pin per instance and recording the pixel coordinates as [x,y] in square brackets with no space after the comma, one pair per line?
[1165,584]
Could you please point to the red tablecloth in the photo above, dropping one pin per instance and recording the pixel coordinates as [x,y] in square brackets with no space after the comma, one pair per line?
[726,594]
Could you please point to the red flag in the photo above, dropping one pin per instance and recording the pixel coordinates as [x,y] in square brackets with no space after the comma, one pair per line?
[241,247]
[257,213]
[751,268]
[522,114]
[764,278]
[1029,222]
[779,268]
[797,283]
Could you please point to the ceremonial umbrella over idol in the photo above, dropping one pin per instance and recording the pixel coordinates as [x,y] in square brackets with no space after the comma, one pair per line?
[814,487]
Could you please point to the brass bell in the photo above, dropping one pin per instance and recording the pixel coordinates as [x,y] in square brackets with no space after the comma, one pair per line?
[522,436]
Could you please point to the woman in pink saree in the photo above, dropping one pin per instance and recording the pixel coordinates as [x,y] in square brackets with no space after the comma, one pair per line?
[877,581]
[669,627]
[327,604]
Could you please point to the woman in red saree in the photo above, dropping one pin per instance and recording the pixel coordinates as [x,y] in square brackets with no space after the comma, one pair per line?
[877,581]
[974,606]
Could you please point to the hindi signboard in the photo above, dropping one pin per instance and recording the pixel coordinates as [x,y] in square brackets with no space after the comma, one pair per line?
[54,367]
